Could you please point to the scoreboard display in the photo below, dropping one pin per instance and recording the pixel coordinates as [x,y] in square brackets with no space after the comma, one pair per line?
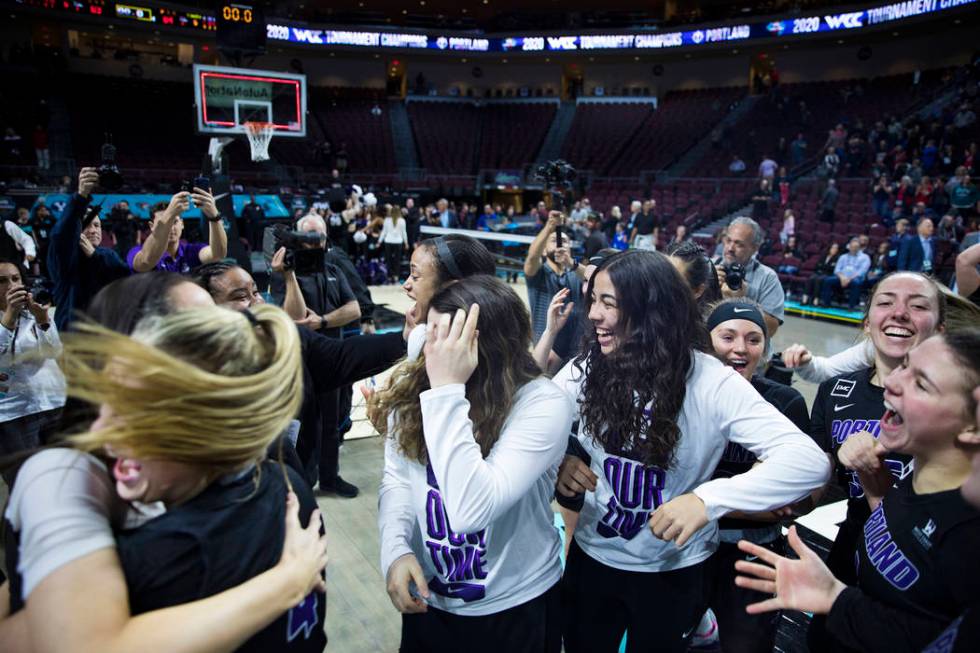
[240,27]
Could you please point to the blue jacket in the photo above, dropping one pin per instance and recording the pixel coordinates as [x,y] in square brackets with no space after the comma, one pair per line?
[76,277]
[911,256]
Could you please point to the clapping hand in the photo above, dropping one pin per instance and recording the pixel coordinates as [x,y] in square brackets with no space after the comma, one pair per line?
[451,352]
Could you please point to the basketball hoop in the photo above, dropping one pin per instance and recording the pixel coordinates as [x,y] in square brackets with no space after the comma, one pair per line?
[259,134]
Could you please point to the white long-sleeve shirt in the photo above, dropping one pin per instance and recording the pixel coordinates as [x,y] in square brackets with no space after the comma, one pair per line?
[24,242]
[719,406]
[482,529]
[822,368]
[27,356]
[393,233]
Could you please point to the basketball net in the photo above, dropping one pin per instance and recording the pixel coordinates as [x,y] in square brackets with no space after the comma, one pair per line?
[259,134]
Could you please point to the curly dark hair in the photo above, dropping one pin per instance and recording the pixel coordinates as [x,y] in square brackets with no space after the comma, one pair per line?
[632,396]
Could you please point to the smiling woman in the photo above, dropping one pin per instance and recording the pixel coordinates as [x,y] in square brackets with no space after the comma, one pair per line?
[904,309]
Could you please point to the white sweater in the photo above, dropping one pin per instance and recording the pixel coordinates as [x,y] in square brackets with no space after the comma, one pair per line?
[719,406]
[502,548]
[28,357]
[394,233]
[821,368]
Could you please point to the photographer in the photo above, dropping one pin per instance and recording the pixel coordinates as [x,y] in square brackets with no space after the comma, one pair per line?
[163,248]
[548,268]
[324,304]
[32,390]
[742,275]
[78,266]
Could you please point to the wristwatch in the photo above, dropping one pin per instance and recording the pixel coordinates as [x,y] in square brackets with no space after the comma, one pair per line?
[217,218]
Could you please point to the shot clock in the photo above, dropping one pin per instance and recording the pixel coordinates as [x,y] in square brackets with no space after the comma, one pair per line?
[241,27]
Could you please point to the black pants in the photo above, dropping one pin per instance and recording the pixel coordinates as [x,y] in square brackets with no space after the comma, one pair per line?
[393,259]
[532,627]
[319,446]
[657,610]
[739,632]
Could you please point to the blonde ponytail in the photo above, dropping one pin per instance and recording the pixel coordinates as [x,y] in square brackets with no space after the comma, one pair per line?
[205,385]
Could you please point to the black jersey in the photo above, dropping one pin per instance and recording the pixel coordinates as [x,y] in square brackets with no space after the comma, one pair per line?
[229,533]
[917,572]
[961,636]
[736,459]
[846,405]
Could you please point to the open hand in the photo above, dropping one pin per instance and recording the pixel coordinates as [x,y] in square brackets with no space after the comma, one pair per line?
[679,519]
[805,584]
[451,351]
[559,311]
[304,551]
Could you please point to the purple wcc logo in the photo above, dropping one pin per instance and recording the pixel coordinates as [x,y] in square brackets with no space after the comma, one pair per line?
[637,491]
[459,559]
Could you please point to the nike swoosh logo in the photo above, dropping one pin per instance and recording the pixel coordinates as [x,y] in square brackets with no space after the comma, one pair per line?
[838,407]
[688,633]
[751,558]
[742,310]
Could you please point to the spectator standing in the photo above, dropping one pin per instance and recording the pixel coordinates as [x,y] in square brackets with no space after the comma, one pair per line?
[895,243]
[163,249]
[32,388]
[828,203]
[447,217]
[849,274]
[917,251]
[964,196]
[881,197]
[253,217]
[41,151]
[950,229]
[789,226]
[781,192]
[394,236]
[413,221]
[737,166]
[761,284]
[760,201]
[797,149]
[79,267]
[831,163]
[635,207]
[646,228]
[768,167]
[596,241]
[549,268]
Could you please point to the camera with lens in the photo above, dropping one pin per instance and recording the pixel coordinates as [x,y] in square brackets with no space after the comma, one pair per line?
[40,291]
[109,176]
[304,251]
[734,275]
[557,173]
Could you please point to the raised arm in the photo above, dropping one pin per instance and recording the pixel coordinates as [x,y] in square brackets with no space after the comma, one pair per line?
[63,250]
[536,250]
[217,247]
[156,243]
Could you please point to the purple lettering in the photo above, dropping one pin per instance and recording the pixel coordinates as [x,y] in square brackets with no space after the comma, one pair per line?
[454,538]
[448,560]
[434,548]
[612,468]
[902,574]
[430,477]
[631,485]
[653,483]
[435,516]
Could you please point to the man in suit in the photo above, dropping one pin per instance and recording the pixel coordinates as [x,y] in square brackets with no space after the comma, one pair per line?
[447,217]
[918,251]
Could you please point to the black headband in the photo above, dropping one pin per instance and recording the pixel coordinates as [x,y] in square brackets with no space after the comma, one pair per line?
[737,311]
[446,258]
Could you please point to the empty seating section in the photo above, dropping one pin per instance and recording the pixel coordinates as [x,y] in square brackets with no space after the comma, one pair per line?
[446,135]
[681,119]
[513,133]
[600,132]
[346,119]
